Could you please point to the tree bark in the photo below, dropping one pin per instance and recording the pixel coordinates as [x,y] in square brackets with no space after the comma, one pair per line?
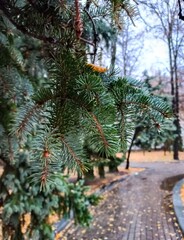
[101,171]
[113,51]
[113,166]
[178,139]
[89,175]
[137,130]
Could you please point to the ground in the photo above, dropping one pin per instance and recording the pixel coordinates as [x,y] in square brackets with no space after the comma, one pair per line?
[140,206]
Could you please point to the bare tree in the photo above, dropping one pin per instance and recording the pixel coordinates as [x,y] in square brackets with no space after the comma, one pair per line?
[164,22]
[130,45]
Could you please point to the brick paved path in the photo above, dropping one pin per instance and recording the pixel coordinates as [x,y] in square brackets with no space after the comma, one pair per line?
[138,208]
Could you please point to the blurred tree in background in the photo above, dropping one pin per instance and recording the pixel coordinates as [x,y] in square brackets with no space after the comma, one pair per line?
[160,135]
[166,25]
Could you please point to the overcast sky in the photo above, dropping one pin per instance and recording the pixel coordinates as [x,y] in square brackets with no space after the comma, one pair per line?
[154,55]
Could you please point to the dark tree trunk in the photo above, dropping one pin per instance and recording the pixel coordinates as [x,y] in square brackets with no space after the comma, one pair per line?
[113,168]
[173,93]
[177,145]
[129,151]
[101,171]
[79,176]
[12,232]
[171,67]
[128,160]
[89,175]
[113,51]
[137,130]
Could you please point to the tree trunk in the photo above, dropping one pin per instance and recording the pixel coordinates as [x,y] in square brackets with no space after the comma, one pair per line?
[113,168]
[113,50]
[89,175]
[128,156]
[137,130]
[177,145]
[171,67]
[101,171]
[173,55]
[79,176]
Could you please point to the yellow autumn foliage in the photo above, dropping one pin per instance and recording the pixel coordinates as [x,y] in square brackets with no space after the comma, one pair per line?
[25,222]
[96,68]
[58,236]
[182,193]
[52,218]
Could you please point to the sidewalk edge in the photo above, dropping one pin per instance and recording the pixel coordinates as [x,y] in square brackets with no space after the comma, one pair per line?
[178,205]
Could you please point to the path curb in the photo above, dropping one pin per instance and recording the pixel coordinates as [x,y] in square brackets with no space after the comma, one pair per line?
[178,205]
[63,223]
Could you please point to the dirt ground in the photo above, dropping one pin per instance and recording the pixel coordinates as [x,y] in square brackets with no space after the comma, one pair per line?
[136,156]
[153,156]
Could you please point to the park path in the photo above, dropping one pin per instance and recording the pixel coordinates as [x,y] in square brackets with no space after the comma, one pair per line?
[138,208]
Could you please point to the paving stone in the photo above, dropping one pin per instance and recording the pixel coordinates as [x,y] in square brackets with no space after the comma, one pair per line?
[141,208]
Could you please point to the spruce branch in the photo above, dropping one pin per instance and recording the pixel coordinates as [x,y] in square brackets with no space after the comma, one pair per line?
[32,3]
[72,153]
[44,174]
[100,130]
[78,26]
[26,119]
[153,107]
[22,28]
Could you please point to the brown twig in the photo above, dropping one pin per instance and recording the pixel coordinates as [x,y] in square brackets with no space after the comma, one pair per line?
[136,2]
[86,41]
[78,21]
[96,39]
[100,130]
[72,153]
